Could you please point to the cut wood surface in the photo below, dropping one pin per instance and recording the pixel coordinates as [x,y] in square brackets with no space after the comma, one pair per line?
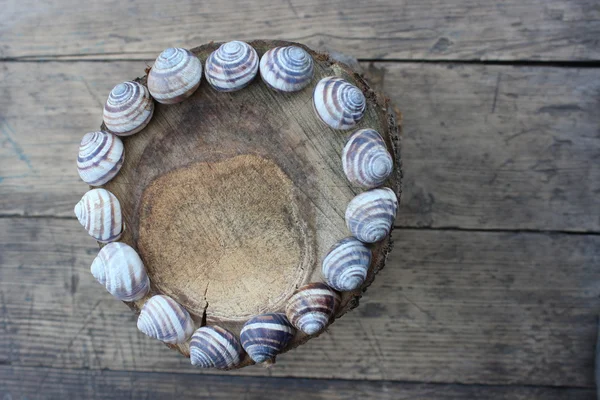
[46,383]
[450,306]
[388,29]
[484,147]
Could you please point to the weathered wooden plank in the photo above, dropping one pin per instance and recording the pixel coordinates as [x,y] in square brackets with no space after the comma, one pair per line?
[46,383]
[470,307]
[484,147]
[388,29]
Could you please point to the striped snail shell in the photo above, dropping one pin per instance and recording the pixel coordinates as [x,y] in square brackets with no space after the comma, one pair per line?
[232,66]
[338,103]
[128,109]
[100,157]
[215,347]
[99,211]
[346,265]
[265,335]
[365,159]
[175,75]
[311,307]
[164,319]
[287,69]
[120,269]
[370,215]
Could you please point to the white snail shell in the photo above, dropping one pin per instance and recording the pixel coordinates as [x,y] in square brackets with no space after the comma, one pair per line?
[100,157]
[120,269]
[287,69]
[232,66]
[346,264]
[311,307]
[215,347]
[99,211]
[164,319]
[128,108]
[365,159]
[265,335]
[338,103]
[371,214]
[175,75]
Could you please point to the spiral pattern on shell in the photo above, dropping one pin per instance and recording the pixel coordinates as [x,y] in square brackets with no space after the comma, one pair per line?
[346,264]
[338,103]
[287,69]
[265,335]
[99,211]
[311,307]
[128,108]
[215,347]
[365,159]
[370,215]
[100,157]
[164,319]
[231,67]
[120,269]
[175,75]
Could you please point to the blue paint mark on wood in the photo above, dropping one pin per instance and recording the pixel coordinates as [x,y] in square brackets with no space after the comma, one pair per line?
[7,131]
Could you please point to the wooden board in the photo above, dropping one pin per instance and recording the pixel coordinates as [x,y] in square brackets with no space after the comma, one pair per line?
[484,147]
[45,383]
[430,29]
[450,306]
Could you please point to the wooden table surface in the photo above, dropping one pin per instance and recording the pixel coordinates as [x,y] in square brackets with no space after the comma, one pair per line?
[493,287]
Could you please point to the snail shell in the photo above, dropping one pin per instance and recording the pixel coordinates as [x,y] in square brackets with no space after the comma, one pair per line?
[346,265]
[370,215]
[164,319]
[365,159]
[128,109]
[175,75]
[120,269]
[338,103]
[100,157]
[99,211]
[265,335]
[232,66]
[287,69]
[311,307]
[215,347]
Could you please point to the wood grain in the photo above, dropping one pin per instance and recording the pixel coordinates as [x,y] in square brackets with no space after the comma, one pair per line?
[450,306]
[484,147]
[45,383]
[388,29]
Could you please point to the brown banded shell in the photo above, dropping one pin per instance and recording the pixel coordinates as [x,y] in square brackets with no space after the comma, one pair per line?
[231,67]
[311,307]
[164,319]
[128,109]
[371,214]
[120,269]
[266,335]
[175,75]
[99,211]
[346,264]
[338,103]
[215,347]
[287,69]
[365,159]
[100,157]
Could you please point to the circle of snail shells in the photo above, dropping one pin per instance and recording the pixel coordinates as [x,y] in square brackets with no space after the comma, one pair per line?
[287,69]
[366,162]
[232,66]
[175,75]
[128,109]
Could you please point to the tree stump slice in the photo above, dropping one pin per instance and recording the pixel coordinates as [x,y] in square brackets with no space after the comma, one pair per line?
[233,199]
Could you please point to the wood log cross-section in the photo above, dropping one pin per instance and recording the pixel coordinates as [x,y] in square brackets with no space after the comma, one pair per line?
[233,199]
